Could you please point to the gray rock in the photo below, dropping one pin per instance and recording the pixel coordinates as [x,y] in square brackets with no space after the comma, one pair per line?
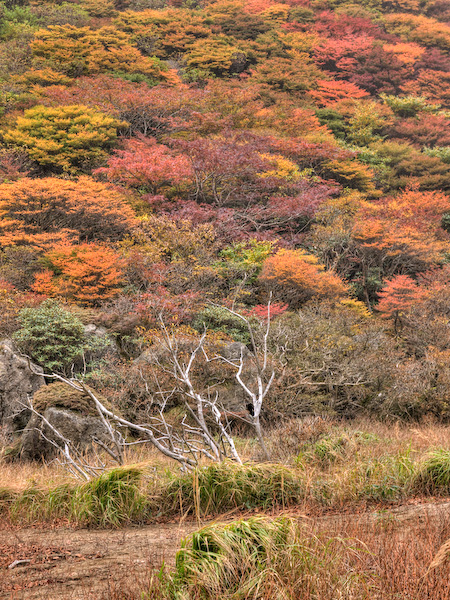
[18,383]
[94,330]
[235,350]
[79,429]
[101,343]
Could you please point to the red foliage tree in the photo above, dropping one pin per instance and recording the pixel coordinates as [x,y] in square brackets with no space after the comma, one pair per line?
[423,130]
[226,169]
[398,295]
[149,111]
[146,164]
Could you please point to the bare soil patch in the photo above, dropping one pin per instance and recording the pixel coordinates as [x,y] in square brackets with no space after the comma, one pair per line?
[80,564]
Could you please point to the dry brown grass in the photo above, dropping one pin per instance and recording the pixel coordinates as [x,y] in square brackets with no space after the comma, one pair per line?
[18,476]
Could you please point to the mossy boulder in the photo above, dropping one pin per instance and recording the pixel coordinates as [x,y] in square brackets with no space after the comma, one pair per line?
[61,395]
[71,412]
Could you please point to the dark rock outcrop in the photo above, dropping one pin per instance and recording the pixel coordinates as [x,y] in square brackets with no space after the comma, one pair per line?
[19,380]
[80,429]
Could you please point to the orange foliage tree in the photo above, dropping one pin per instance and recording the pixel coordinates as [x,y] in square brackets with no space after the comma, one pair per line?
[400,235]
[294,74]
[296,276]
[331,92]
[87,273]
[398,295]
[41,212]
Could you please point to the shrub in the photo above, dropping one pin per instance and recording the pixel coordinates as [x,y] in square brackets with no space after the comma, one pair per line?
[86,273]
[79,51]
[69,139]
[51,336]
[296,276]
[217,318]
[41,212]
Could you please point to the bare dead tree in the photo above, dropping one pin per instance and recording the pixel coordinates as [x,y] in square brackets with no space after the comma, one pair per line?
[204,430]
[263,377]
[70,457]
[166,442]
[185,446]
[256,390]
[180,370]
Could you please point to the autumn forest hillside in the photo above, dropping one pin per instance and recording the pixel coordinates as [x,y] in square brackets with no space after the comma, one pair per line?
[205,164]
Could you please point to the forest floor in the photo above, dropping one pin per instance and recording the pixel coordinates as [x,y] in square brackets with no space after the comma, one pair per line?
[83,564]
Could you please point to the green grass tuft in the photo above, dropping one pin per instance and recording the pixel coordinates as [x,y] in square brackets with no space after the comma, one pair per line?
[332,448]
[112,499]
[255,559]
[433,475]
[226,486]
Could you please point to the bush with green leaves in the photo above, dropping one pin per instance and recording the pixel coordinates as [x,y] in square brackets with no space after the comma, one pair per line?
[244,259]
[15,20]
[217,318]
[409,106]
[52,336]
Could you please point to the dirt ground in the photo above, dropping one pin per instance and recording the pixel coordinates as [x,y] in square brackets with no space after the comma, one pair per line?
[81,564]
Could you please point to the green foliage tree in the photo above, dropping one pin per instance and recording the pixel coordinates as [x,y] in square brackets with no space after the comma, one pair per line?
[219,319]
[52,336]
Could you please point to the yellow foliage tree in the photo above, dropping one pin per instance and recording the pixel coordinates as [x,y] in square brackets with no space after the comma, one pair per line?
[67,139]
[79,51]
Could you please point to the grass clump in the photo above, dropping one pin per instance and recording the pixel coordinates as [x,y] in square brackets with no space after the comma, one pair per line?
[334,447]
[113,499]
[7,499]
[433,475]
[255,559]
[226,486]
[385,478]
